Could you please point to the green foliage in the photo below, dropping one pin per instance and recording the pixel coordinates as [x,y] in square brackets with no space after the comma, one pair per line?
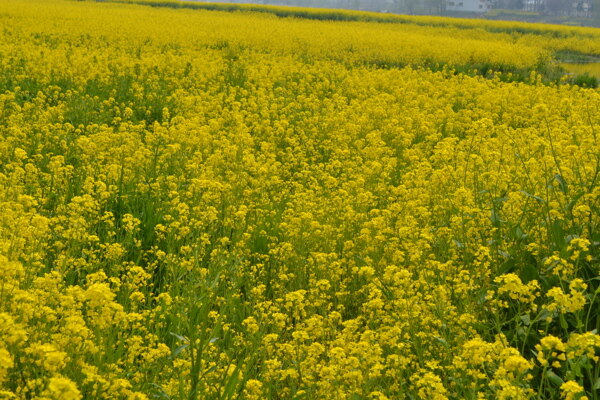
[586,80]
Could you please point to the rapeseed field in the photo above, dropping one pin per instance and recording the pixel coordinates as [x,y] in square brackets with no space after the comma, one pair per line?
[265,203]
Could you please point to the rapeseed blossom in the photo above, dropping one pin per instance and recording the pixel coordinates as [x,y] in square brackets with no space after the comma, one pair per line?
[204,204]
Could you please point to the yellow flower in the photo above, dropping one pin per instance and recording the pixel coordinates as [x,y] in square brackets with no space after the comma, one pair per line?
[6,363]
[430,386]
[573,302]
[251,325]
[572,391]
[202,202]
[550,348]
[253,390]
[511,285]
[47,356]
[61,388]
[583,344]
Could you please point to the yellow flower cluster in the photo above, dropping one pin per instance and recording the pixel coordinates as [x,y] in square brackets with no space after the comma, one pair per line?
[572,302]
[511,285]
[201,204]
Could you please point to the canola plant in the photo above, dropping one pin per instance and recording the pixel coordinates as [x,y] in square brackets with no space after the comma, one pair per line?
[201,204]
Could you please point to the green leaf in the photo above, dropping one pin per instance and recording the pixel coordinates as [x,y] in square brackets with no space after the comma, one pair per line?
[553,378]
[573,201]
[545,314]
[179,350]
[528,273]
[508,266]
[562,184]
[183,339]
[563,321]
[495,218]
[519,234]
[558,234]
[231,384]
[538,198]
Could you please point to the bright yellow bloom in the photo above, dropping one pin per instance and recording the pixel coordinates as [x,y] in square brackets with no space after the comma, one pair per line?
[572,391]
[61,388]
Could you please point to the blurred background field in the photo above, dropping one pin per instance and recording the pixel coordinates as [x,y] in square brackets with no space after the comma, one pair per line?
[566,12]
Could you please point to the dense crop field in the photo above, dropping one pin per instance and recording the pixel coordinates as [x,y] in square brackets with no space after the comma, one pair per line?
[265,203]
